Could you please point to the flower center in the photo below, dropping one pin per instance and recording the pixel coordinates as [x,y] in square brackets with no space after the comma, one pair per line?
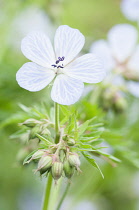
[57,63]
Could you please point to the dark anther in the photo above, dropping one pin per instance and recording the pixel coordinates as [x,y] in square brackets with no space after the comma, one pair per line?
[60,67]
[57,61]
[60,59]
[54,65]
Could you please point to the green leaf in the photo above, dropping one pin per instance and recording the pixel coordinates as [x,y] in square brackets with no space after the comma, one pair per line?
[92,162]
[46,141]
[71,124]
[67,113]
[83,149]
[85,146]
[24,108]
[14,119]
[18,133]
[95,134]
[109,156]
[96,142]
[65,110]
[96,125]
[83,127]
[88,139]
[38,113]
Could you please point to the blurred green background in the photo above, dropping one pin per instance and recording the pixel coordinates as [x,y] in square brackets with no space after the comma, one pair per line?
[19,188]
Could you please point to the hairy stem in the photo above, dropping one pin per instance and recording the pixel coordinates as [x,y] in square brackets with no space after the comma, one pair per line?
[49,191]
[57,122]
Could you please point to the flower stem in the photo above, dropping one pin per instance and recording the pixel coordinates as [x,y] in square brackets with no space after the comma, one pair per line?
[63,196]
[57,122]
[47,193]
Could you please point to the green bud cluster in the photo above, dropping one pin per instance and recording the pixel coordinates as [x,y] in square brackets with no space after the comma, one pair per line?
[112,98]
[36,127]
[57,159]
[63,163]
[69,164]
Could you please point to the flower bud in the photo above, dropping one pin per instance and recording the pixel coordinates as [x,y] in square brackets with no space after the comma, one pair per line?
[30,123]
[45,131]
[44,170]
[45,162]
[68,169]
[34,131]
[120,105]
[35,156]
[62,155]
[71,142]
[57,169]
[74,160]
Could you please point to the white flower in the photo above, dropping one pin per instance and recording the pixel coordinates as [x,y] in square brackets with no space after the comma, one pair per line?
[120,51]
[60,65]
[130,9]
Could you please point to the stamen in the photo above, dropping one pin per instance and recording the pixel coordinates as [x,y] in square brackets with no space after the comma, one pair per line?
[54,65]
[61,58]
[60,67]
[58,61]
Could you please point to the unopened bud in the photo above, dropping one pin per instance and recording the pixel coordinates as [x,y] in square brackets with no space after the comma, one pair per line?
[121,104]
[68,169]
[62,155]
[71,142]
[35,156]
[30,122]
[74,160]
[34,131]
[44,130]
[45,162]
[57,169]
[44,170]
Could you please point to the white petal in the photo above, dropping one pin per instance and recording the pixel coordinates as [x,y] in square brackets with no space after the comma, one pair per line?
[66,90]
[37,47]
[130,9]
[68,43]
[133,63]
[122,39]
[133,88]
[33,77]
[87,68]
[103,51]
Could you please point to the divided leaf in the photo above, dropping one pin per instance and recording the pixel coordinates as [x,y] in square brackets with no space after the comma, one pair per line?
[92,162]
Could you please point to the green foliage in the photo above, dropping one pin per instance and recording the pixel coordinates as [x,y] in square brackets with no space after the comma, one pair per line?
[121,130]
[92,162]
